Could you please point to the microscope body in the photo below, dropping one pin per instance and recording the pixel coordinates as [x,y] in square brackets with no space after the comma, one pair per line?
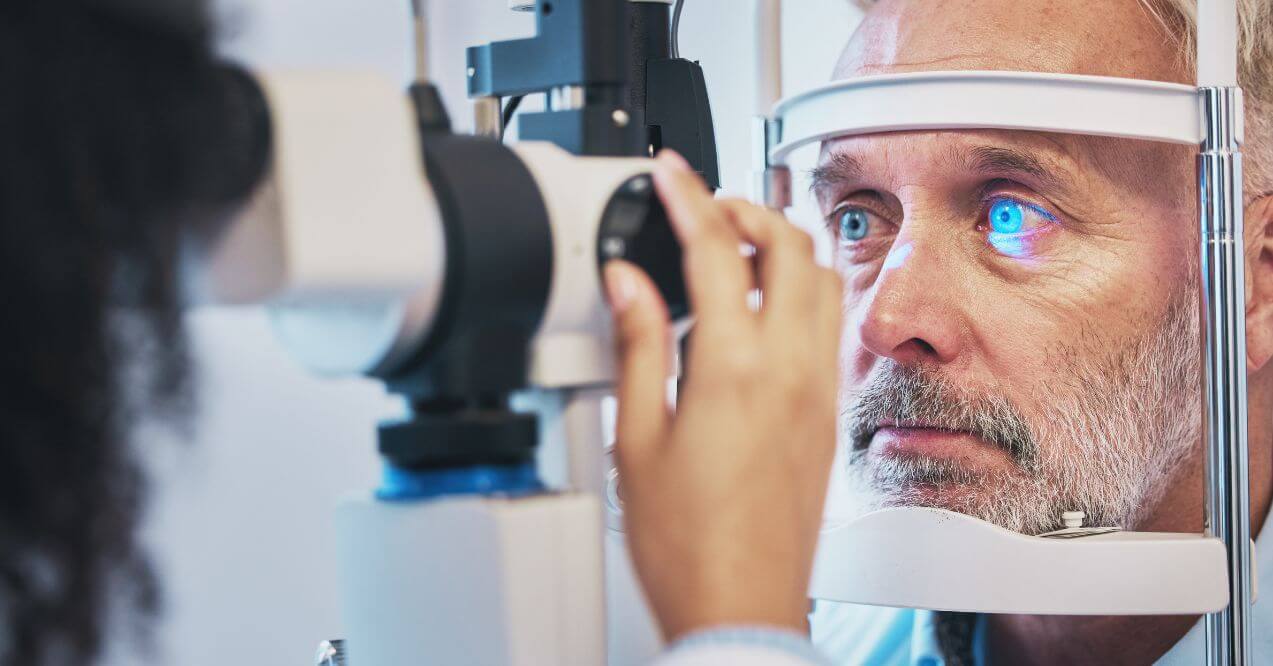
[500,571]
[348,245]
[476,565]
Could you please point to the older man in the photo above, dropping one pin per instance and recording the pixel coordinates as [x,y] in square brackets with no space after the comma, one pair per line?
[1021,339]
[1022,308]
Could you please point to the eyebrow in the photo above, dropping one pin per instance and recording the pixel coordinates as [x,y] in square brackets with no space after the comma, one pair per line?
[1006,161]
[840,168]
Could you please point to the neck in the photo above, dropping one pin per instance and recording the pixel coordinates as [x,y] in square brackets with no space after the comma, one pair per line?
[1042,639]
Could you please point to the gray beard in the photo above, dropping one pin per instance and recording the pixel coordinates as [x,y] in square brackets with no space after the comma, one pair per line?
[1111,431]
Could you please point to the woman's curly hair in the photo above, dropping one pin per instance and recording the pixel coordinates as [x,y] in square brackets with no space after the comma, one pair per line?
[117,137]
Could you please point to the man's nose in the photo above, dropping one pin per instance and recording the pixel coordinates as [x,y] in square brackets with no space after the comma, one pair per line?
[912,311]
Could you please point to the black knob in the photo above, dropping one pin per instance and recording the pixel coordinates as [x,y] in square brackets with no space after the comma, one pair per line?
[635,228]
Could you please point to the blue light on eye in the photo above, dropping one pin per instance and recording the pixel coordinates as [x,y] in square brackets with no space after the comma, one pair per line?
[1011,245]
[1006,216]
[855,224]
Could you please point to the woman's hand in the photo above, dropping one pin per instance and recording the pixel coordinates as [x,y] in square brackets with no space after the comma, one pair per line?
[723,499]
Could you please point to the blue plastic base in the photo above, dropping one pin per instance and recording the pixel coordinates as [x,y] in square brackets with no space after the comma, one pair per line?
[402,485]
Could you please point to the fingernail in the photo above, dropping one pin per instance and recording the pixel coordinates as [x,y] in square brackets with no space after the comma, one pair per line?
[664,172]
[621,286]
[675,160]
[671,192]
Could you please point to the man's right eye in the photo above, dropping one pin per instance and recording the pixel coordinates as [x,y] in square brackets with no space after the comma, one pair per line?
[852,224]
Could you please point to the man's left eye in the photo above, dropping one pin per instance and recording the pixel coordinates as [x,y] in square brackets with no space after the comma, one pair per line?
[1012,225]
[1010,217]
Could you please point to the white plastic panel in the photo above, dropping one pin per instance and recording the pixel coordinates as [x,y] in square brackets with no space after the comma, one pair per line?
[345,214]
[768,15]
[1092,105]
[1217,43]
[344,240]
[356,213]
[574,346]
[471,580]
[941,560]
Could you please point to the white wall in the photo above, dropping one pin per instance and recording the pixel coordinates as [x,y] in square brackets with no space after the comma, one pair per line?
[240,524]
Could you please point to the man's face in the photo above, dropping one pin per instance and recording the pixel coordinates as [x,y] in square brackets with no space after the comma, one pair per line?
[1021,333]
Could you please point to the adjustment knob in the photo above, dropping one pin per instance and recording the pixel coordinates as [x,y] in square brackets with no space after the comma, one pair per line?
[635,228]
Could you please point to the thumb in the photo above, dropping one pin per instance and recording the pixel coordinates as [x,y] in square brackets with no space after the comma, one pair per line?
[645,353]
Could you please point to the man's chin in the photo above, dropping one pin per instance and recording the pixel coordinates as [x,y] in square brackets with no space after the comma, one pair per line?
[952,496]
[989,494]
[918,472]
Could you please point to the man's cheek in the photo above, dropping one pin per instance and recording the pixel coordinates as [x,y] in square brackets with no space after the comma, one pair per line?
[1060,288]
[858,277]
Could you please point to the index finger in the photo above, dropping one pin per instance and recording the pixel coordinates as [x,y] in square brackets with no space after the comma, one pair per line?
[717,276]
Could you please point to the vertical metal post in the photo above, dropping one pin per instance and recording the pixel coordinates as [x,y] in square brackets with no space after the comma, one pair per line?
[772,183]
[420,45]
[1224,300]
[488,117]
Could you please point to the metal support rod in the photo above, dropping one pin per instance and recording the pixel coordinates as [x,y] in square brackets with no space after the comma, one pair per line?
[420,42]
[1224,292]
[771,184]
[488,117]
[586,438]
[768,55]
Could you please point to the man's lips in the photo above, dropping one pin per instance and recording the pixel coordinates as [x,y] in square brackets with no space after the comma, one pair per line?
[923,440]
[894,427]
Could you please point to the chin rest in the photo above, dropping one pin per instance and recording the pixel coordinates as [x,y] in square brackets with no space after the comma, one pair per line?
[941,560]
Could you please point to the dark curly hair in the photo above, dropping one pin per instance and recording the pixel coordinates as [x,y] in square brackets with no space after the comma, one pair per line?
[119,134]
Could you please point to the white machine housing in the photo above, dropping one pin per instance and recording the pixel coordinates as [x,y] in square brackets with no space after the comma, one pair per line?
[534,566]
[344,239]
[411,574]
[344,243]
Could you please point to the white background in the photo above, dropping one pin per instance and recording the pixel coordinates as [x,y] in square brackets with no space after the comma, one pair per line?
[241,519]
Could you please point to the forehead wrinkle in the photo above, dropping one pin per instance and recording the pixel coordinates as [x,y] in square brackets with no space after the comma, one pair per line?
[1023,35]
[1052,59]
[904,66]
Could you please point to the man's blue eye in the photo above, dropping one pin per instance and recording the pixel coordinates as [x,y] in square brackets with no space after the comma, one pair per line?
[1007,216]
[855,224]
[1013,223]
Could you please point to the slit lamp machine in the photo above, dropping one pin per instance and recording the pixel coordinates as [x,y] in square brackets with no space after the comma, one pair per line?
[463,271]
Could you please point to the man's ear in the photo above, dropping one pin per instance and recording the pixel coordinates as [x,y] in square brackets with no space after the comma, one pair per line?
[1259,282]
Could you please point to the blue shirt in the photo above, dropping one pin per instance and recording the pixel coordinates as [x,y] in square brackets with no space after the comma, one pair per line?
[855,635]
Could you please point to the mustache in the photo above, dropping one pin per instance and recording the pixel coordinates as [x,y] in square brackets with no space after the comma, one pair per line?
[917,396]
